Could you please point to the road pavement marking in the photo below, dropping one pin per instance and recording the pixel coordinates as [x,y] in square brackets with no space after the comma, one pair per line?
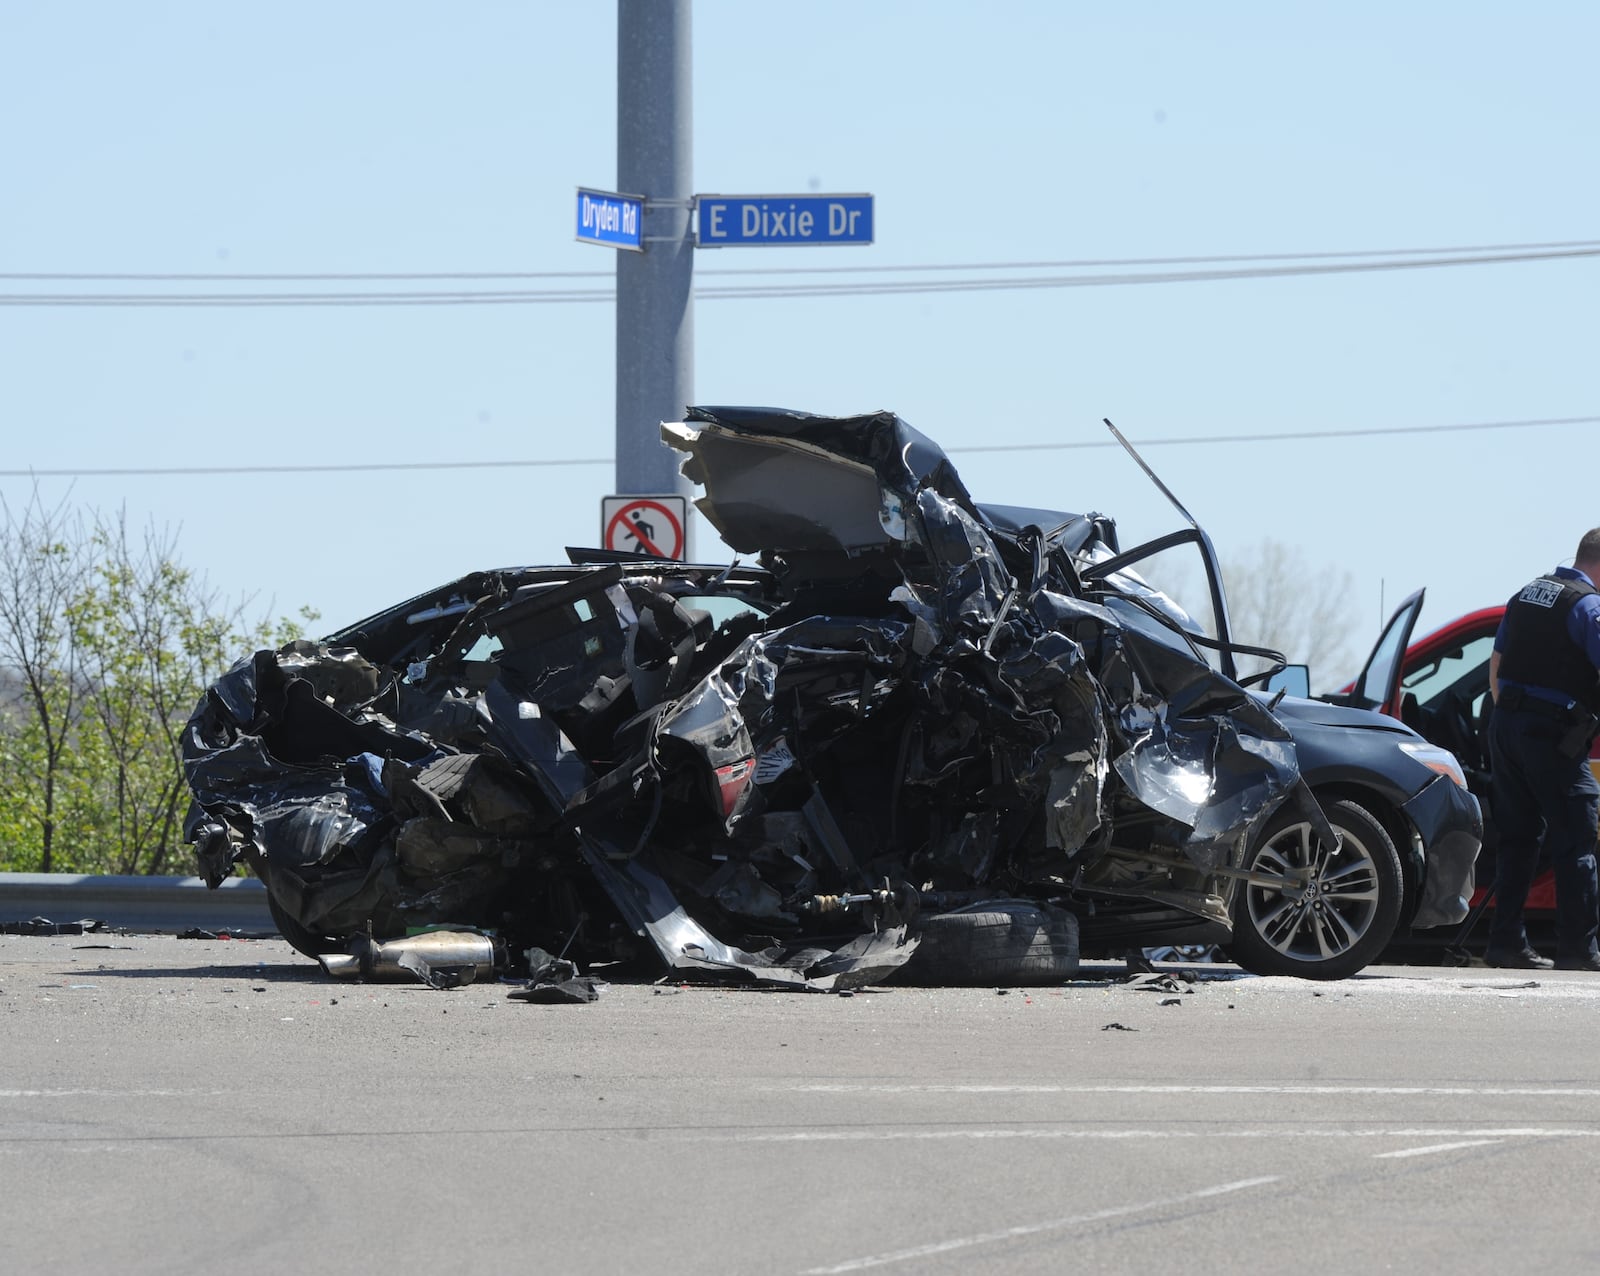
[953,1088]
[1308,1132]
[1034,1229]
[1437,1147]
[105,1094]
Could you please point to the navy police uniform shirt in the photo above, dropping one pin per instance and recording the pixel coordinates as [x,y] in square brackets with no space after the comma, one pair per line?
[1583,624]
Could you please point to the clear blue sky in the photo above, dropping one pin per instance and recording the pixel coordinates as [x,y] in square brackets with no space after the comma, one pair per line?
[403,137]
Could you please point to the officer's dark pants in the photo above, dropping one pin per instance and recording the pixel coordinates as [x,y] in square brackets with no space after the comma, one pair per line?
[1542,799]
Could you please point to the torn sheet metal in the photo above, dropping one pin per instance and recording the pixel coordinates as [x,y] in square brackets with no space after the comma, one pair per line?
[554,981]
[910,701]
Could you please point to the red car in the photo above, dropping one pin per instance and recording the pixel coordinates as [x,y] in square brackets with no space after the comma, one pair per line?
[1439,686]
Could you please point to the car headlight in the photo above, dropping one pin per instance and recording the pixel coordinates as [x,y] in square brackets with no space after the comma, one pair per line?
[1435,759]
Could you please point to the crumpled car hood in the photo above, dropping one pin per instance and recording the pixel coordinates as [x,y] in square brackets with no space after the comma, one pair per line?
[790,481]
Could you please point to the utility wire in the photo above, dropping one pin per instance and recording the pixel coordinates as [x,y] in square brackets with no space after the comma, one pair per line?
[1079,264]
[774,291]
[1290,435]
[369,467]
[1078,281]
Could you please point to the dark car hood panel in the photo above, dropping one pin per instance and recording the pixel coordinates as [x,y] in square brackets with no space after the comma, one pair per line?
[1294,709]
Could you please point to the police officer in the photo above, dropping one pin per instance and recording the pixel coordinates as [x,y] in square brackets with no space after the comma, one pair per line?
[1545,679]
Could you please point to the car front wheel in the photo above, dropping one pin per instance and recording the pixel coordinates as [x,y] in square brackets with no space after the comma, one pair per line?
[1337,907]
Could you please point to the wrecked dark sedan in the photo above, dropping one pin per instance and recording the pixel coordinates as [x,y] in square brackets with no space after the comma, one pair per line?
[917,739]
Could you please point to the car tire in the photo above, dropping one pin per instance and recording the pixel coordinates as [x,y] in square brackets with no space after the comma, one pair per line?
[997,942]
[1348,914]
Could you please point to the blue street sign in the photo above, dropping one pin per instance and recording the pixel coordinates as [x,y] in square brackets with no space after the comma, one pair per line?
[728,221]
[617,221]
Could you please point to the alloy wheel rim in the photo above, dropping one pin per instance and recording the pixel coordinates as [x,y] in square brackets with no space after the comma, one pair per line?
[1337,907]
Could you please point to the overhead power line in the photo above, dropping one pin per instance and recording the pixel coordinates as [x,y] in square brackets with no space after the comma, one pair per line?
[1288,436]
[1088,263]
[371,467]
[1430,259]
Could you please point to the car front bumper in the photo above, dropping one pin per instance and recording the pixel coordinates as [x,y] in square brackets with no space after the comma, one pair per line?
[1449,824]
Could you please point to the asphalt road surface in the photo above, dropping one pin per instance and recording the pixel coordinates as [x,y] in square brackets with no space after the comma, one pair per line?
[174,1105]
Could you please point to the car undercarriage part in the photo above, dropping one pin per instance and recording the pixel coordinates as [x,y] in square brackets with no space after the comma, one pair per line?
[441,959]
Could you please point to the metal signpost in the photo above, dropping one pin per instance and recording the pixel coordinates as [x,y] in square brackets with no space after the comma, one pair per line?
[655,273]
[782,221]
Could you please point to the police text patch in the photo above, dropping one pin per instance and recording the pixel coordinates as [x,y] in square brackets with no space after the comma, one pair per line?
[1541,593]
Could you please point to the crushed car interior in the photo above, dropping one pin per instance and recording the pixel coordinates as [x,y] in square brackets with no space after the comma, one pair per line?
[904,737]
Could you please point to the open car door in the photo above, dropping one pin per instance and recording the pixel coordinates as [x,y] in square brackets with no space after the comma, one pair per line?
[1378,686]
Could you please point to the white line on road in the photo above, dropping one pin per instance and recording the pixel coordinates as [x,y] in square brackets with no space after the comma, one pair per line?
[1536,1091]
[104,1094]
[1033,1229]
[1437,1147]
[1144,1132]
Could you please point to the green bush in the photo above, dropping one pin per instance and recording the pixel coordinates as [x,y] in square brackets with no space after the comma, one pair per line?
[106,645]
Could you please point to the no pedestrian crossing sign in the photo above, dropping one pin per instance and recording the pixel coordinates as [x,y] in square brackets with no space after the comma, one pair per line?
[645,524]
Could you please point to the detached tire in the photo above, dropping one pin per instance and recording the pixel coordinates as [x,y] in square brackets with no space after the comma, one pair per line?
[1347,913]
[1000,942]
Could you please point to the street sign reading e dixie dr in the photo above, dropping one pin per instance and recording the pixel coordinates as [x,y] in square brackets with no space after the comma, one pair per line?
[771,221]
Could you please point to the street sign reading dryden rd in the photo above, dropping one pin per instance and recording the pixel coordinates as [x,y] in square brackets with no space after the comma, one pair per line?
[645,524]
[616,221]
[729,221]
